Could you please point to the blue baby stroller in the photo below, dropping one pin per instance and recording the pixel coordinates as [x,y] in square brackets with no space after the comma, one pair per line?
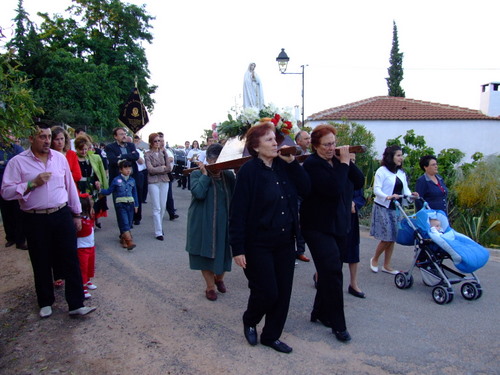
[433,248]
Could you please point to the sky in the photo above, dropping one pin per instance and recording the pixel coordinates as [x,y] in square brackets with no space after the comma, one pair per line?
[201,50]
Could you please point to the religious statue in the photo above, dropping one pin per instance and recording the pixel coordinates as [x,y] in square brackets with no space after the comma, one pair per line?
[253,95]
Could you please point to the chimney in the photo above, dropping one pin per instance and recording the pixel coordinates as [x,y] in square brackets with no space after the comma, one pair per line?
[490,99]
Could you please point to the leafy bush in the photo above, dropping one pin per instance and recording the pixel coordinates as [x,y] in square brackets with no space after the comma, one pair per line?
[354,134]
[477,199]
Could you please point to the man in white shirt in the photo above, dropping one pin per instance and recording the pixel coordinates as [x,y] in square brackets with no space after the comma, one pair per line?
[143,172]
[170,196]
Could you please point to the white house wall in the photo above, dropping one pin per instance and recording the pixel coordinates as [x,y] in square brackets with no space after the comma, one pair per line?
[469,136]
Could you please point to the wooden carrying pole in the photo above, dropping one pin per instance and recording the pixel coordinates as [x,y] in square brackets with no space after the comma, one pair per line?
[288,150]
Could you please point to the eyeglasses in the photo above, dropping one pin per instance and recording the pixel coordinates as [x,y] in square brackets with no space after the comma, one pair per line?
[328,145]
[156,140]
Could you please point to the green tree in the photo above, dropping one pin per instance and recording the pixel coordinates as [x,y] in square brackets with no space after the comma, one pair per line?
[448,160]
[78,92]
[17,106]
[352,133]
[414,147]
[83,65]
[396,69]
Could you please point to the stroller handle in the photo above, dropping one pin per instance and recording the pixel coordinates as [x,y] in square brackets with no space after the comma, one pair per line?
[406,196]
[410,197]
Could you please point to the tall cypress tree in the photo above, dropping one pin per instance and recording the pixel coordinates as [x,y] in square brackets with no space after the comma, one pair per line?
[396,69]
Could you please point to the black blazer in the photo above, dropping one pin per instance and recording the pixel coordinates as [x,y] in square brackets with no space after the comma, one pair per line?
[328,207]
[114,155]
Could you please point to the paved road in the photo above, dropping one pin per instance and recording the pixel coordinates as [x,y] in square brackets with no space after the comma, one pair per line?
[393,330]
[168,326]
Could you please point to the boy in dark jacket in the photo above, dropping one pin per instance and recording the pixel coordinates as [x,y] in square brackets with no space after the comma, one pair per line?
[124,191]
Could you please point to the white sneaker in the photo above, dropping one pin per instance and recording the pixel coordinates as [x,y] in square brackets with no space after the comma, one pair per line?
[45,312]
[84,310]
[91,286]
[86,294]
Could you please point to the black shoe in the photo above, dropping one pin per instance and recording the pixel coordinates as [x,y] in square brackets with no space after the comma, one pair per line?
[343,336]
[315,317]
[9,243]
[250,334]
[22,246]
[159,238]
[137,222]
[98,225]
[355,293]
[279,346]
[173,217]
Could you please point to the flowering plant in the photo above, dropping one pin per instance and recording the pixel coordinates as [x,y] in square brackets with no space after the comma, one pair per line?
[283,121]
[281,124]
[215,135]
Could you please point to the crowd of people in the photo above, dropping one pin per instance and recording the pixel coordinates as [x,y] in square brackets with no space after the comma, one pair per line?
[261,217]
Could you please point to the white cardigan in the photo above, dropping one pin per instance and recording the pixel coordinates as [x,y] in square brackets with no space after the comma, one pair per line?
[384,185]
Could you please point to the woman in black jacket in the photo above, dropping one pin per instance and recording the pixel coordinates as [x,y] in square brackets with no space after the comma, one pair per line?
[325,219]
[262,226]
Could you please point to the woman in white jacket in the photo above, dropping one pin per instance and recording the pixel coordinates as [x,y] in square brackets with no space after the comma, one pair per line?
[390,182]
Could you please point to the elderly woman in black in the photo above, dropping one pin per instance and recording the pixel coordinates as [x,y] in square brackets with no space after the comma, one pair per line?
[262,225]
[325,219]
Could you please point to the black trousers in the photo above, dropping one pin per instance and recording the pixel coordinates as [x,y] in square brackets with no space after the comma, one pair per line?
[139,183]
[329,301]
[170,200]
[49,237]
[12,223]
[144,185]
[269,272]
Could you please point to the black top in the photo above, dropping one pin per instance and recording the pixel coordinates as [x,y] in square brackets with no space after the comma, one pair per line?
[115,153]
[264,203]
[328,207]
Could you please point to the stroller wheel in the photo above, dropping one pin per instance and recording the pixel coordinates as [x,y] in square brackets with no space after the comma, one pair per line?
[479,291]
[441,295]
[403,280]
[451,294]
[470,291]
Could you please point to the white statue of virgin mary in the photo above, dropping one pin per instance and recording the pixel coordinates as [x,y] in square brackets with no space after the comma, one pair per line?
[253,95]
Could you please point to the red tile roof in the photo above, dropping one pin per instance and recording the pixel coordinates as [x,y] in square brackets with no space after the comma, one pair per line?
[395,108]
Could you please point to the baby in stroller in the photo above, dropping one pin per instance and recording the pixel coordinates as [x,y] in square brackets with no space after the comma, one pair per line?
[435,226]
[435,241]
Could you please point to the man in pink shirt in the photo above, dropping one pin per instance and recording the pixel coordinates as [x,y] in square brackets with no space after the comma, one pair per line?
[41,180]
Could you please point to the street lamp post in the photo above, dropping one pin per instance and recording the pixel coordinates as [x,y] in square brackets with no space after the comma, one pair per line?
[282,60]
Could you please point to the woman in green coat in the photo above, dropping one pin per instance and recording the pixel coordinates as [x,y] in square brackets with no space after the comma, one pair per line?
[94,176]
[207,226]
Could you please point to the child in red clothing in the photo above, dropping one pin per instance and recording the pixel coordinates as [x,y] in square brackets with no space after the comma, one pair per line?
[86,245]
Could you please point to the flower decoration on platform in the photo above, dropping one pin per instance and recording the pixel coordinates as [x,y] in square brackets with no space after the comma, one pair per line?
[215,135]
[283,120]
[282,125]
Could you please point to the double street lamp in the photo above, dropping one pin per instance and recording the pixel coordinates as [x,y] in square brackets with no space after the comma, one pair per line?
[282,60]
